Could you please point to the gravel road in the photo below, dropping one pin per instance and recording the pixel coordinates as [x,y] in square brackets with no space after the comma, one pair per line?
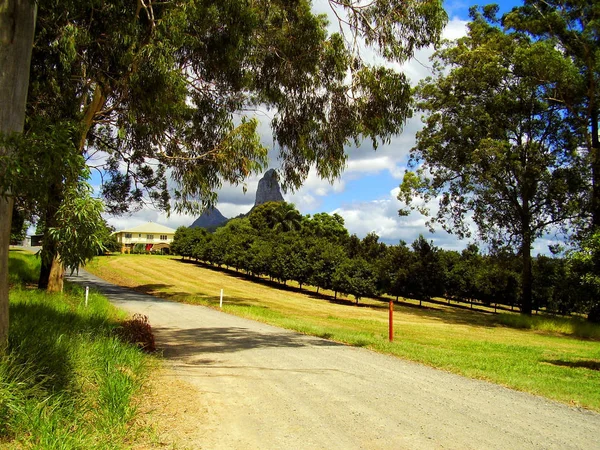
[267,388]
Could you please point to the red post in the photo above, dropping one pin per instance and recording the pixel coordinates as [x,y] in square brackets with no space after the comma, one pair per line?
[391,320]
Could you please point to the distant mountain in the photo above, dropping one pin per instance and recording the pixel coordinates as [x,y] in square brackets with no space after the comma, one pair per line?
[211,218]
[268,189]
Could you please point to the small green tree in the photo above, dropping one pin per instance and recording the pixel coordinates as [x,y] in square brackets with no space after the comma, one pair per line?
[324,257]
[584,265]
[79,231]
[356,277]
[425,274]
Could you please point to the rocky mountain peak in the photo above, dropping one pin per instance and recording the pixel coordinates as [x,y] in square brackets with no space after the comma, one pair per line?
[268,189]
[211,218]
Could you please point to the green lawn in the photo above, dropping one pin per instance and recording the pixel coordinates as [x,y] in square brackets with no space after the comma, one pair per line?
[66,382]
[542,355]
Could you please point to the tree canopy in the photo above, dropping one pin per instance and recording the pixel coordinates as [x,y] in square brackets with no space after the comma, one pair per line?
[573,27]
[161,96]
[495,148]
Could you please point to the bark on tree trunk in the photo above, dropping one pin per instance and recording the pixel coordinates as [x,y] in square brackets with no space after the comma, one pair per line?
[6,207]
[17,22]
[56,279]
[595,171]
[51,271]
[526,276]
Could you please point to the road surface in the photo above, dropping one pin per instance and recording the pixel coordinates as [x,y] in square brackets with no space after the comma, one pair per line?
[263,387]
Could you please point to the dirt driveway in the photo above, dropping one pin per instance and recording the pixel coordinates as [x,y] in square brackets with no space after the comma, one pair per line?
[254,386]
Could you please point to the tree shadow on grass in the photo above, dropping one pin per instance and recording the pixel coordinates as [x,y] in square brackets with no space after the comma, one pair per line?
[41,340]
[584,364]
[198,342]
[452,314]
[244,276]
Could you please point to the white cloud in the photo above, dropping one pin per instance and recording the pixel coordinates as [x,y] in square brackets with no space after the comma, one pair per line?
[231,210]
[381,217]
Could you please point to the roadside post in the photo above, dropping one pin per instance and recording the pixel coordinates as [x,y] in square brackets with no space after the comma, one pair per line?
[221,300]
[87,293]
[391,320]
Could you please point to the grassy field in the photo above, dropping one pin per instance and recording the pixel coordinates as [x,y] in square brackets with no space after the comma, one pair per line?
[542,355]
[66,381]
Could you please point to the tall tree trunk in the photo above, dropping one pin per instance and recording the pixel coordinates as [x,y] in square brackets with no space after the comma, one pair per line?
[6,207]
[595,171]
[526,276]
[17,23]
[51,271]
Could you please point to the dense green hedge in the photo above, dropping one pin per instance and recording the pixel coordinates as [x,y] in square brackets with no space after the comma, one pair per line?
[275,241]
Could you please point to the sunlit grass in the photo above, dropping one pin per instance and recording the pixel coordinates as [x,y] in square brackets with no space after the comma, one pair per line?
[66,381]
[541,354]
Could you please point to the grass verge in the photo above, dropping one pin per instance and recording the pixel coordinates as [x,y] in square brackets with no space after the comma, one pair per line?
[540,355]
[66,380]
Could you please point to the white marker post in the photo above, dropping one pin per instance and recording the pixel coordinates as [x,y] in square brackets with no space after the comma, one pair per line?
[87,293]
[221,301]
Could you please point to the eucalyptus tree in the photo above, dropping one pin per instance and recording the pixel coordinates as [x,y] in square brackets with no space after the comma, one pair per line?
[495,148]
[17,20]
[78,231]
[167,89]
[572,26]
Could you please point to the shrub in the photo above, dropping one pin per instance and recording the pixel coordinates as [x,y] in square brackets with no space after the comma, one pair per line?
[137,331]
[139,249]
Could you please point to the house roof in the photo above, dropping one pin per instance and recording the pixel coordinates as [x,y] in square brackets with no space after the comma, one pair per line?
[148,227]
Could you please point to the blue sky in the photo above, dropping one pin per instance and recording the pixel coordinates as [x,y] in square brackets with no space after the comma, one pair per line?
[365,195]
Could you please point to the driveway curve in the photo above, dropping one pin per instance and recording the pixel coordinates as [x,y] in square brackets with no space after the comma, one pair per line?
[270,388]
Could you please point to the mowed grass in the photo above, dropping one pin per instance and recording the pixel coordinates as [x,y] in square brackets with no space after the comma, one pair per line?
[542,355]
[66,381]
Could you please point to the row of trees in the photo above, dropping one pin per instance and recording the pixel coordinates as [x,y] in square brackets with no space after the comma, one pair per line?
[277,242]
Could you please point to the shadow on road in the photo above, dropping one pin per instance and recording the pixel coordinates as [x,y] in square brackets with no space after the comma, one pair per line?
[195,341]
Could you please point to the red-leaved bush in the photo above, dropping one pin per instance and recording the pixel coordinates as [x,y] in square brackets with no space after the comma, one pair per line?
[137,331]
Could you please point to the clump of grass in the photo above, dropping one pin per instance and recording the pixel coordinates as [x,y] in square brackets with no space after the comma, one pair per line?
[66,380]
[23,267]
[575,326]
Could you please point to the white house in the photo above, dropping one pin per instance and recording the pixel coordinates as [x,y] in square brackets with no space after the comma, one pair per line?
[153,236]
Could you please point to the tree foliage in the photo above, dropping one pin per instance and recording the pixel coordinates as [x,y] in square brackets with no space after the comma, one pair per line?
[573,27]
[495,148]
[80,229]
[160,96]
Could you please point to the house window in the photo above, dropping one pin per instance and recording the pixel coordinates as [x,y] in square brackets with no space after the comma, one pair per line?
[140,235]
[163,237]
[150,237]
[127,235]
